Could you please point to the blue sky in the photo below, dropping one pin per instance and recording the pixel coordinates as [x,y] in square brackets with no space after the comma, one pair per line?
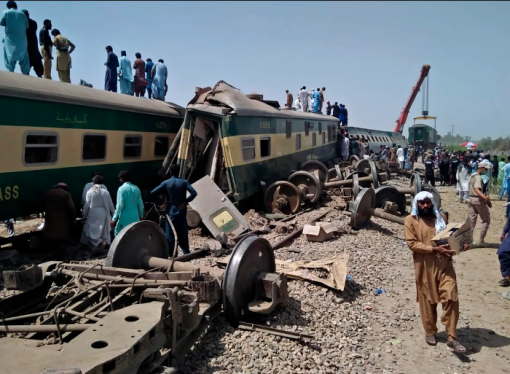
[367,54]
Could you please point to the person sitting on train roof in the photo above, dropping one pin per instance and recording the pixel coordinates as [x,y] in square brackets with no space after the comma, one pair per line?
[34,56]
[97,212]
[90,184]
[112,63]
[159,77]
[64,48]
[175,190]
[125,75]
[59,219]
[129,204]
[15,40]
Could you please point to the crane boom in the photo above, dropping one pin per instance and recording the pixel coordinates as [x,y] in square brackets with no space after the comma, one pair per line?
[401,121]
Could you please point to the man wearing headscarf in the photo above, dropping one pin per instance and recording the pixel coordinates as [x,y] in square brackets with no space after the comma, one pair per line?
[148,70]
[290,99]
[479,203]
[15,40]
[487,175]
[159,77]
[34,56]
[112,63]
[64,48]
[125,75]
[303,99]
[435,276]
[140,81]
[316,100]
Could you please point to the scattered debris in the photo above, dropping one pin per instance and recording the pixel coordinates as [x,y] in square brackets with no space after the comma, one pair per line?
[319,232]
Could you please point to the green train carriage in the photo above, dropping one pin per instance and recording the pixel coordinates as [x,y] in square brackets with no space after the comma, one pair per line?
[423,135]
[54,132]
[243,143]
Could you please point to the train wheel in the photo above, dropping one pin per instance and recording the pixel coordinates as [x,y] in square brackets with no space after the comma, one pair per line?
[317,168]
[282,197]
[308,184]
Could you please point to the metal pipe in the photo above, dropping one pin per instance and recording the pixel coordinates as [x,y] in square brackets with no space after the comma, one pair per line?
[390,217]
[81,315]
[43,328]
[26,316]
[129,280]
[347,182]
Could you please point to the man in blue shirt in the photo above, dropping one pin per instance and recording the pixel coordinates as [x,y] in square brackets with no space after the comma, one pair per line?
[175,189]
[148,70]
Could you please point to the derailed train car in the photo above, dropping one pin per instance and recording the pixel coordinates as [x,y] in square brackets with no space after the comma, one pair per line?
[54,132]
[244,142]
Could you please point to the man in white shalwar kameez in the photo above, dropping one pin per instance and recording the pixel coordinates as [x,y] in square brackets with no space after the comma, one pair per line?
[97,212]
[463,175]
[303,99]
[89,185]
[345,148]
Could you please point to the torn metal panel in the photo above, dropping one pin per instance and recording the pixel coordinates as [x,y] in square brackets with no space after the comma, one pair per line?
[333,271]
[217,211]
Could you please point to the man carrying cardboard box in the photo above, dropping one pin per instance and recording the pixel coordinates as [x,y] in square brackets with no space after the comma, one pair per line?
[479,203]
[435,276]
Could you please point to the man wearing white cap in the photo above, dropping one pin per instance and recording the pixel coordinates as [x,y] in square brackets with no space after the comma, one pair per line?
[479,203]
[435,276]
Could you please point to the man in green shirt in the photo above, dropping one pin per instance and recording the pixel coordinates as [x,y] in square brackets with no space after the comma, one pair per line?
[479,203]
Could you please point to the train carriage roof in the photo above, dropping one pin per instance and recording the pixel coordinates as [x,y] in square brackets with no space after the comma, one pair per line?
[233,101]
[23,86]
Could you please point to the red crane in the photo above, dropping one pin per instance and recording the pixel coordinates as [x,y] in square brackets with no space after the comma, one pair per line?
[401,121]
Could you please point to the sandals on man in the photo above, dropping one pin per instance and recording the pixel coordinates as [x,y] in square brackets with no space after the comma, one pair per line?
[504,282]
[456,346]
[430,340]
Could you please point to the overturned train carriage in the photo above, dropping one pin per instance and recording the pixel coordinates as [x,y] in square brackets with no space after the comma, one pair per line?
[240,142]
[54,132]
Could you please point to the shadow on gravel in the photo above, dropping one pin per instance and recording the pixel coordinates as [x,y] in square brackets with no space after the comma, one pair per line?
[372,226]
[474,339]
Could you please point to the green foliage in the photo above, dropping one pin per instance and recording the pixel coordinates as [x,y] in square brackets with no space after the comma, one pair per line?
[486,144]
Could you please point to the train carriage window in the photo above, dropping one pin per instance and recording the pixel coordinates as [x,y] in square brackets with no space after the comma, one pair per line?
[307,128]
[40,148]
[314,139]
[94,147]
[161,146]
[288,129]
[248,148]
[298,142]
[132,146]
[323,138]
[320,128]
[265,147]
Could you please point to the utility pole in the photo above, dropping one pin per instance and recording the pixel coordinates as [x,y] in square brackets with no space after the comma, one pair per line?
[453,126]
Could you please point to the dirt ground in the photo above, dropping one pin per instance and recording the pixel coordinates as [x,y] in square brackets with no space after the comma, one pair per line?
[484,318]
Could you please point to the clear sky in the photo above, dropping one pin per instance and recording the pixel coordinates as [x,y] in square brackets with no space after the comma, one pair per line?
[367,54]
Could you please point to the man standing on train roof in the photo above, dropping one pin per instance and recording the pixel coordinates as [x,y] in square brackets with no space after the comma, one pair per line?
[175,190]
[125,75]
[346,115]
[34,56]
[321,98]
[46,47]
[435,276]
[112,63]
[335,110]
[64,48]
[316,100]
[159,76]
[341,115]
[148,70]
[15,40]
[129,204]
[290,99]
[140,81]
[59,218]
[328,108]
[90,184]
[303,99]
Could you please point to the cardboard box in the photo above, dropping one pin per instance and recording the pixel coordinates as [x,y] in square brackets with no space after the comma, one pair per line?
[319,232]
[455,235]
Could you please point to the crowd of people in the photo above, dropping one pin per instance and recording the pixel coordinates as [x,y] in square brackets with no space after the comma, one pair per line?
[313,102]
[23,47]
